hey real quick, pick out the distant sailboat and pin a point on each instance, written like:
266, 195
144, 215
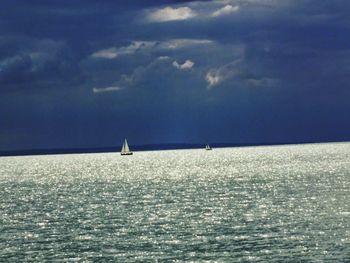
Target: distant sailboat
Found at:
207, 147
125, 148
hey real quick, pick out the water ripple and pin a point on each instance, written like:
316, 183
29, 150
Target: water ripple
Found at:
254, 204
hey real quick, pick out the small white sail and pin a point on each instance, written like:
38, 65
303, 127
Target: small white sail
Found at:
125, 148
207, 147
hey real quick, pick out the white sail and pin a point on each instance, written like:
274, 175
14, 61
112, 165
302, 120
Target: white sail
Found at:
126, 146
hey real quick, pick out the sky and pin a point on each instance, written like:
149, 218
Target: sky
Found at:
87, 73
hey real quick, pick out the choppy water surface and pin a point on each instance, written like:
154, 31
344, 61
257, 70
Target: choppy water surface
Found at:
281, 203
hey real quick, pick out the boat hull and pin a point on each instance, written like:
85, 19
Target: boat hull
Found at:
128, 153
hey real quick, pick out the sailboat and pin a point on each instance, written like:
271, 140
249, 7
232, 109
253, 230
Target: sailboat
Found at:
207, 147
125, 148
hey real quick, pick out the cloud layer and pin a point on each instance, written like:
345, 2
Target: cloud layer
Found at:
171, 14
113, 52
188, 64
226, 10
106, 89
255, 69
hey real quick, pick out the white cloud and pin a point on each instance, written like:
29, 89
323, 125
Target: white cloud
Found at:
205, 10
171, 14
226, 10
135, 46
213, 78
237, 72
184, 42
188, 64
107, 89
106, 53
163, 57
216, 76
111, 53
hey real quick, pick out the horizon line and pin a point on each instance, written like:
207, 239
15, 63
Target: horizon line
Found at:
147, 147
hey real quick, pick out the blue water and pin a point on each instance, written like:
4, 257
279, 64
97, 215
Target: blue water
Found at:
253, 204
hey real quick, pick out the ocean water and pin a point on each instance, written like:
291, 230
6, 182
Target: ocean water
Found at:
252, 204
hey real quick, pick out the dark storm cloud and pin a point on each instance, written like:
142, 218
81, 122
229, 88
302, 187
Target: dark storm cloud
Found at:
39, 64
260, 69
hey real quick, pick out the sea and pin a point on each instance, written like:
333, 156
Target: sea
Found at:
286, 203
